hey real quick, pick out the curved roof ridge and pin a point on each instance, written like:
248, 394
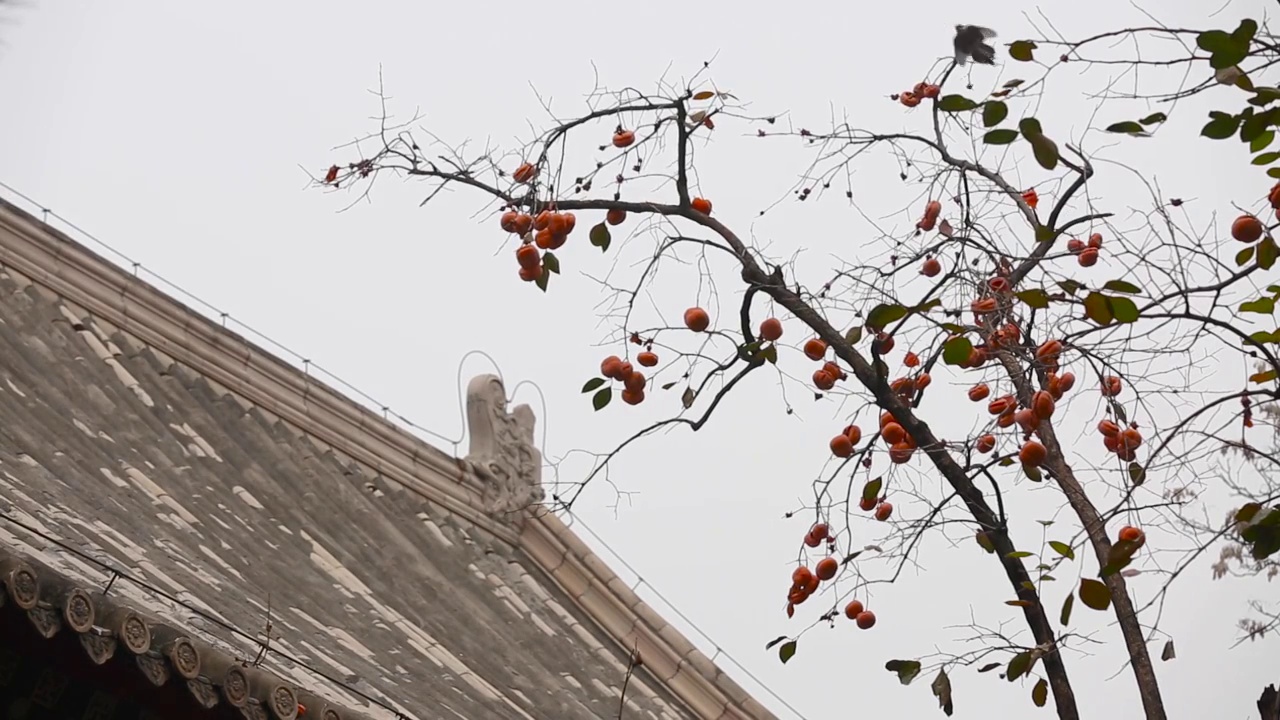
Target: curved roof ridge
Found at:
497, 487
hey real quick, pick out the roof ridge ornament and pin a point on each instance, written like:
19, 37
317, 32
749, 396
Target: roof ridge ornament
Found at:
502, 450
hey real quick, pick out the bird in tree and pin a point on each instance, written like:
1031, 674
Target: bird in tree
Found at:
970, 42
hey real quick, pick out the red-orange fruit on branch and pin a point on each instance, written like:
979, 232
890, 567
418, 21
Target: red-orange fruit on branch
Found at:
815, 349
647, 359
854, 433
841, 446
823, 380
525, 173
853, 609
702, 205
986, 444
1111, 386
826, 568
623, 138
1033, 453
1246, 229
697, 319
528, 257
771, 329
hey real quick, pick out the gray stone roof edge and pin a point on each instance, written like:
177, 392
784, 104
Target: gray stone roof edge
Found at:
497, 486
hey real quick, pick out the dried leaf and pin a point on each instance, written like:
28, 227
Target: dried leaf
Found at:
1040, 693
907, 670
941, 687
1094, 594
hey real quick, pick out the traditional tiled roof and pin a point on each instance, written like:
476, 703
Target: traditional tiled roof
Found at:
167, 488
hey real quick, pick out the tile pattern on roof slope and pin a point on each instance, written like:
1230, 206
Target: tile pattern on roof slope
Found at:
136, 460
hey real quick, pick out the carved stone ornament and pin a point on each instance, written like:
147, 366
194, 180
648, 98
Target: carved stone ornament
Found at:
502, 449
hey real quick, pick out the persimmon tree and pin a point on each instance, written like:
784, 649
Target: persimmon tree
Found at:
1010, 302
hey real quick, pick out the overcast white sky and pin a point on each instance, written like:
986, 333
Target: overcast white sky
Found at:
179, 133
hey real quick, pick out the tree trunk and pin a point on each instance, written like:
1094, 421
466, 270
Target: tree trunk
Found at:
1041, 629
1269, 704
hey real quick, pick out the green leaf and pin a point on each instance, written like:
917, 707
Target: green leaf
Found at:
543, 279
1033, 473
1266, 158
951, 327
1040, 693
1030, 126
1262, 306
1263, 377
907, 670
1071, 287
1063, 549
1001, 136
1262, 140
551, 262
1213, 40
770, 354
1123, 309
994, 112
1122, 286
1045, 151
1137, 474
1045, 234
1097, 309
881, 315
1254, 124
853, 335
1248, 512
1267, 253
1020, 603
1021, 50
1265, 336
871, 491
984, 541
955, 103
1035, 298
1020, 665
988, 667
956, 350
1245, 31
941, 687
1094, 594
1244, 256
593, 384
1229, 57
787, 651
602, 398
1128, 126
1154, 118
1019, 554
1273, 173
1065, 616
770, 645
1221, 128
600, 237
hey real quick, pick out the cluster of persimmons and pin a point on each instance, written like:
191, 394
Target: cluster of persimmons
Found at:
805, 582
